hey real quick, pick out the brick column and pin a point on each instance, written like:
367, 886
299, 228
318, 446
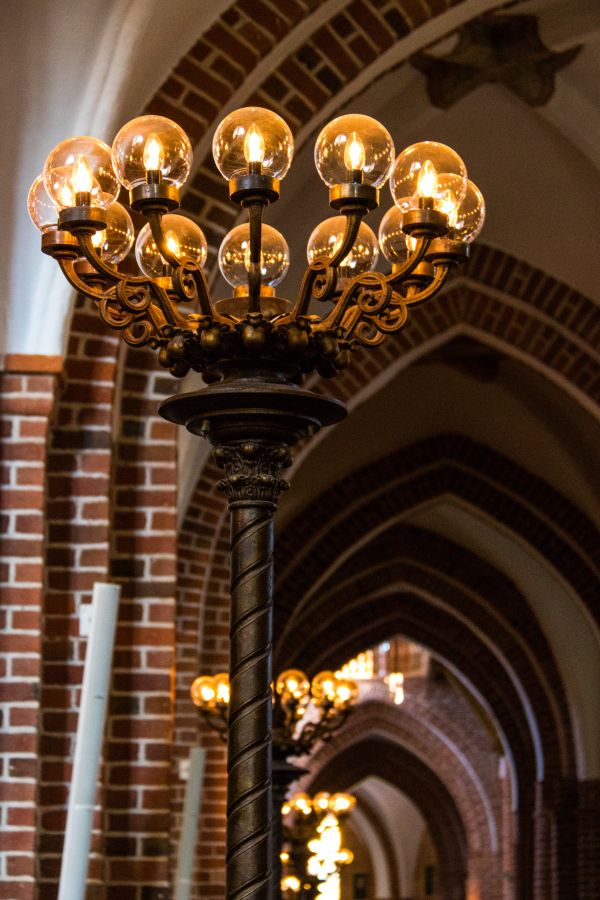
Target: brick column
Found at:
27, 391
137, 818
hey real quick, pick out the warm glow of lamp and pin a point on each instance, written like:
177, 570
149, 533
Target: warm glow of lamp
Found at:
254, 145
82, 179
173, 243
154, 154
354, 153
98, 238
427, 180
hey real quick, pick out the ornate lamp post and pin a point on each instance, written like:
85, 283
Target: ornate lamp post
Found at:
255, 347
304, 712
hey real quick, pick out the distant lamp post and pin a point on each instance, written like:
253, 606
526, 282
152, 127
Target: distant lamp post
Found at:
304, 713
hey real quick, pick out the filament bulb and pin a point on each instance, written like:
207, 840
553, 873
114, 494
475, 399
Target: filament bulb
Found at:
172, 242
254, 145
154, 154
98, 238
354, 153
428, 180
448, 205
82, 179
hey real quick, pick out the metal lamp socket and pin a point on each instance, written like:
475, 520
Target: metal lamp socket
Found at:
424, 223
444, 251
82, 218
147, 198
354, 197
251, 188
60, 244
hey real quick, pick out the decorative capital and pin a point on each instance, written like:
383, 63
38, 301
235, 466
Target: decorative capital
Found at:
252, 470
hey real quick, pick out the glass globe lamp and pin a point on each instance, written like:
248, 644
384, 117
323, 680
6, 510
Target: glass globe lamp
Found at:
184, 239
467, 220
203, 691
253, 140
395, 245
151, 148
323, 686
234, 257
326, 239
115, 241
293, 685
354, 148
42, 211
222, 690
79, 171
429, 175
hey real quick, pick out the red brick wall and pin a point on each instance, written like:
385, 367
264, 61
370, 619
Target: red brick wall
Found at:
27, 390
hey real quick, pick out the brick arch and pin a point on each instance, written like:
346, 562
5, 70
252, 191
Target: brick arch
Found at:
446, 464
381, 831
394, 763
456, 600
439, 726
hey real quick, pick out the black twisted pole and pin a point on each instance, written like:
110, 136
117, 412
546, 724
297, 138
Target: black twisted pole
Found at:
253, 484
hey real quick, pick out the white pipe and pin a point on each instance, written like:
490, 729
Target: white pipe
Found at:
189, 826
88, 743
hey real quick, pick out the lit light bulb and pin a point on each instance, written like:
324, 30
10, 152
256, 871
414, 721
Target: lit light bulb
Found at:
66, 196
203, 691
172, 243
426, 171
184, 239
254, 145
354, 143
427, 180
354, 153
154, 154
98, 238
151, 144
82, 179
253, 136
222, 689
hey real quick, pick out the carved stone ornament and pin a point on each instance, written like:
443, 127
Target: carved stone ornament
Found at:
252, 470
494, 49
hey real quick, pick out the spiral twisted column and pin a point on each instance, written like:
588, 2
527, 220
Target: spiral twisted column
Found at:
252, 417
253, 485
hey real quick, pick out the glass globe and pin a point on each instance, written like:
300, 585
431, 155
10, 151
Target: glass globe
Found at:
395, 245
323, 686
151, 144
253, 135
81, 165
116, 240
467, 221
184, 238
203, 691
234, 256
327, 238
351, 144
42, 211
293, 684
428, 171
